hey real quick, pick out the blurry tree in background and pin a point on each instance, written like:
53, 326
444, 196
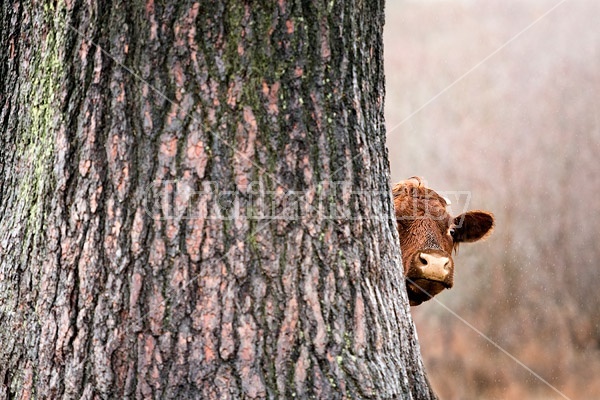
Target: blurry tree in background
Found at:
521, 130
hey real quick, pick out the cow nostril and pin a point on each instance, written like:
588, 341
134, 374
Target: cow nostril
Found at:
422, 259
447, 265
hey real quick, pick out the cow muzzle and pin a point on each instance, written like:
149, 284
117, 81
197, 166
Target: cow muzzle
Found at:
430, 272
433, 266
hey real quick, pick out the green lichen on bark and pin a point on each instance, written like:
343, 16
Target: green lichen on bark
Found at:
34, 70
35, 144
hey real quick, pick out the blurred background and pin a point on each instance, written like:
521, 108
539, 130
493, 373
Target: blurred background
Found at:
502, 98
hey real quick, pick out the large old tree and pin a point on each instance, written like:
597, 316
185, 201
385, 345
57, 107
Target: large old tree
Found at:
194, 203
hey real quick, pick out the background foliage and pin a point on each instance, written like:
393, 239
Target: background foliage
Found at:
517, 123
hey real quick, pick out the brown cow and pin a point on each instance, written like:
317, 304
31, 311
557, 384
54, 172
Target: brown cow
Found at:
428, 234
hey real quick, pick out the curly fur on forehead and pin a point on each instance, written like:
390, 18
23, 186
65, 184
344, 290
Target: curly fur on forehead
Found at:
413, 199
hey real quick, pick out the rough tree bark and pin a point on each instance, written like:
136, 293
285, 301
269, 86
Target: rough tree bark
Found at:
144, 149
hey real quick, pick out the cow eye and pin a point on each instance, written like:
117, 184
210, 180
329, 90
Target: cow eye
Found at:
451, 232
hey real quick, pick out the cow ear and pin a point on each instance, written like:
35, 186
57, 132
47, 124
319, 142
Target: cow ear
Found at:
472, 226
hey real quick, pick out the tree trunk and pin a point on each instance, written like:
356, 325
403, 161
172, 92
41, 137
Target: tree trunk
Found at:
195, 203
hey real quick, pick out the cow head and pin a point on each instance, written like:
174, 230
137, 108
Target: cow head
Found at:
428, 234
